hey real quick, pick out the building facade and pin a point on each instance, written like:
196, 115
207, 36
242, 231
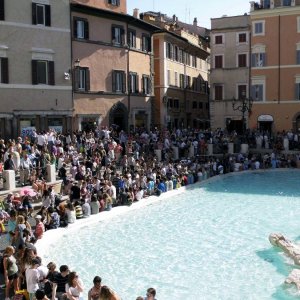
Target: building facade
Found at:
230, 71
112, 64
181, 67
275, 65
35, 63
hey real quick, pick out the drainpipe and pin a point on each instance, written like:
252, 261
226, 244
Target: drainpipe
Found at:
279, 61
127, 78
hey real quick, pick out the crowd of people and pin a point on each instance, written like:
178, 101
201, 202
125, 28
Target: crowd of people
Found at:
99, 170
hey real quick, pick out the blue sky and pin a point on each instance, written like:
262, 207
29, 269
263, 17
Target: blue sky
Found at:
186, 10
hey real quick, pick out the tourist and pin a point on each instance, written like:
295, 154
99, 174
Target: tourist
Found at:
10, 270
39, 227
18, 238
94, 292
32, 278
108, 294
70, 211
59, 283
151, 293
48, 282
74, 287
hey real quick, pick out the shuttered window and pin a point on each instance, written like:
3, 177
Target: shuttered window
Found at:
4, 70
82, 79
2, 13
117, 35
114, 2
133, 83
80, 28
43, 72
258, 59
119, 81
41, 14
218, 61
297, 91
146, 85
218, 92
146, 43
298, 57
242, 60
257, 92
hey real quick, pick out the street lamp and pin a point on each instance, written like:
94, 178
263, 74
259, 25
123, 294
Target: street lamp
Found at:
243, 105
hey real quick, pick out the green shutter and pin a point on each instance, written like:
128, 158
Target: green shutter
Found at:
4, 70
34, 72
86, 30
51, 73
34, 18
2, 14
48, 15
87, 79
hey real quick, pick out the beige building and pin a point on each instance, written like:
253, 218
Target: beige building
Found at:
275, 65
112, 66
181, 67
35, 81
230, 71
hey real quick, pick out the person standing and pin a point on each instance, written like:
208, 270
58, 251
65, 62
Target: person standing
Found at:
59, 283
74, 287
32, 278
10, 270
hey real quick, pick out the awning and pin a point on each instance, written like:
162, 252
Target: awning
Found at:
265, 118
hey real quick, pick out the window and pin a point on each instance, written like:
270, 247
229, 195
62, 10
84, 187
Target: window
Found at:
114, 2
257, 92
81, 29
117, 35
2, 14
133, 83
218, 39
119, 81
297, 91
242, 91
188, 82
131, 38
258, 59
3, 70
194, 61
169, 50
286, 3
259, 28
82, 79
298, 57
146, 85
218, 61
41, 14
187, 58
43, 72
218, 92
176, 78
146, 43
176, 103
180, 55
194, 105
176, 54
168, 77
182, 81
242, 60
298, 24
242, 38
200, 105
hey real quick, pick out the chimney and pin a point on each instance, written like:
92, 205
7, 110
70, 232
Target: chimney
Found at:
195, 23
136, 13
174, 18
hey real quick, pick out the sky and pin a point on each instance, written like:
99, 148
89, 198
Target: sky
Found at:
187, 10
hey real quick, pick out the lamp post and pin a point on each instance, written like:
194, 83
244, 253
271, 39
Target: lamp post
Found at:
243, 105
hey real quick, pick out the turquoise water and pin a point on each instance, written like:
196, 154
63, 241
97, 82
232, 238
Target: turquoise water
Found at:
209, 242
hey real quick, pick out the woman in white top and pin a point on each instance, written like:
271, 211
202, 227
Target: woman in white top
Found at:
74, 287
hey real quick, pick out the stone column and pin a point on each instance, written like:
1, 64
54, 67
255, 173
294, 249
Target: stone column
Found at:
230, 148
51, 175
158, 154
244, 148
210, 149
9, 180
